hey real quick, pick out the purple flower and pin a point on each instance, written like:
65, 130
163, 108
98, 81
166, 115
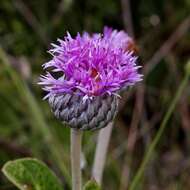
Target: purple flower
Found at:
118, 39
91, 65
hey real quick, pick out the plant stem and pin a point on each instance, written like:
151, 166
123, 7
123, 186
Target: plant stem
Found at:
101, 151
152, 146
76, 137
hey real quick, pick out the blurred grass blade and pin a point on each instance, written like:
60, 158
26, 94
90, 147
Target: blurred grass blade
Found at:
37, 118
135, 182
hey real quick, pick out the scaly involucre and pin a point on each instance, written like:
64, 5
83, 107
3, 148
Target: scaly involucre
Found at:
91, 65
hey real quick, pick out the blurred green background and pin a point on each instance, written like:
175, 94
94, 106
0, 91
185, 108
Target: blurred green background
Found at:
27, 127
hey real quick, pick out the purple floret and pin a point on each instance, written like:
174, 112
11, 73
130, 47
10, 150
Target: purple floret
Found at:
91, 65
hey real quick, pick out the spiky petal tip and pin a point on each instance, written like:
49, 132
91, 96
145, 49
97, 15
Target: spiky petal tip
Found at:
91, 66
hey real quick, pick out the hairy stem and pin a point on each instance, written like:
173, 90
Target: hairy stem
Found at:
76, 137
155, 141
101, 151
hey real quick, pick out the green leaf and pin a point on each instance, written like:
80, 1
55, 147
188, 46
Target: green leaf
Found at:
36, 117
31, 174
92, 185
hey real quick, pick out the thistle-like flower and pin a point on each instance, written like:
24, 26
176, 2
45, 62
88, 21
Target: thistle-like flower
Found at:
92, 71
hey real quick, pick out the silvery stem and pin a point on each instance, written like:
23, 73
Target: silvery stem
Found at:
76, 137
101, 151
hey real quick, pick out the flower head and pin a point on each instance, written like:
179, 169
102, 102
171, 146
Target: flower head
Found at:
91, 66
